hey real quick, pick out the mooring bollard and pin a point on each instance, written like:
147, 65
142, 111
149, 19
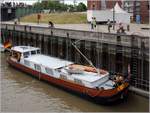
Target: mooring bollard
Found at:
25, 28
30, 28
67, 34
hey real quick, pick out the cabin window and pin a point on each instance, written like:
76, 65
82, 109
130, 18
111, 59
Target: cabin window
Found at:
37, 67
63, 77
49, 71
26, 54
77, 81
16, 55
27, 63
33, 52
38, 51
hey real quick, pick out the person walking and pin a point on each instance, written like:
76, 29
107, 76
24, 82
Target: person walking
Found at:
51, 25
109, 25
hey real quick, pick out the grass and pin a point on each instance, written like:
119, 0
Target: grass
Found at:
58, 18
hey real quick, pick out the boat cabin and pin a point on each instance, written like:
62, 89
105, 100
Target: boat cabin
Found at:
20, 52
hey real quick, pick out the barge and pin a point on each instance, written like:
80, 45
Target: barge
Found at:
87, 81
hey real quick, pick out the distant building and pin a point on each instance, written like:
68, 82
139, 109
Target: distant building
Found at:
103, 10
138, 7
102, 4
8, 13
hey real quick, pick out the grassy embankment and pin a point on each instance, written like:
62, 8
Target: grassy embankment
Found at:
57, 18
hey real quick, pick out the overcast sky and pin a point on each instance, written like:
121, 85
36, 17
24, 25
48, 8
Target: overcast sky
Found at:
33, 1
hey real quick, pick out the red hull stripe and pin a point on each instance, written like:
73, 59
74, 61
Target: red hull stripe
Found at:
67, 84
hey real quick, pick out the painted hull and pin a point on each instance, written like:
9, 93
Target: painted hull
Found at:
96, 95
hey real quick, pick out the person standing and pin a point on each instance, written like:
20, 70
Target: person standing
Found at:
121, 28
18, 20
15, 21
109, 25
38, 18
94, 22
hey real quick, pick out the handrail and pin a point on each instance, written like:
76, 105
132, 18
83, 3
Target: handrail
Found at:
46, 27
140, 79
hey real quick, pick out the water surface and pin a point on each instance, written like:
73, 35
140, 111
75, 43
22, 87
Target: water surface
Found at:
22, 93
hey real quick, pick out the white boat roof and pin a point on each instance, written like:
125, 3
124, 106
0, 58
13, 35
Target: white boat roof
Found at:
23, 49
48, 61
87, 76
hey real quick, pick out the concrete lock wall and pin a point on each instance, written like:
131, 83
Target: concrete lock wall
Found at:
107, 51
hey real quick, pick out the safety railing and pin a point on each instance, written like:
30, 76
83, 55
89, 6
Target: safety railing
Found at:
140, 83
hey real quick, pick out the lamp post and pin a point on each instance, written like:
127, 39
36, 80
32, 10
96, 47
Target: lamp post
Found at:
113, 15
127, 7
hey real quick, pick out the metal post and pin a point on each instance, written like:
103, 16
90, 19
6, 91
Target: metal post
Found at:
114, 16
67, 52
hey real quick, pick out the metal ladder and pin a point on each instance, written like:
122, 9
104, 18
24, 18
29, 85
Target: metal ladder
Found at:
134, 63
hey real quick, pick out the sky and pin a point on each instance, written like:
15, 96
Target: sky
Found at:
78, 1
33, 1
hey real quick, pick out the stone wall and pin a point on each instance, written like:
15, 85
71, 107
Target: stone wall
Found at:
113, 52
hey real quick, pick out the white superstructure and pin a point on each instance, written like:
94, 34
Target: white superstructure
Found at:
58, 68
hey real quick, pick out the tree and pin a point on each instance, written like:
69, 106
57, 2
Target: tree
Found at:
37, 5
70, 8
51, 5
56, 5
81, 7
64, 7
